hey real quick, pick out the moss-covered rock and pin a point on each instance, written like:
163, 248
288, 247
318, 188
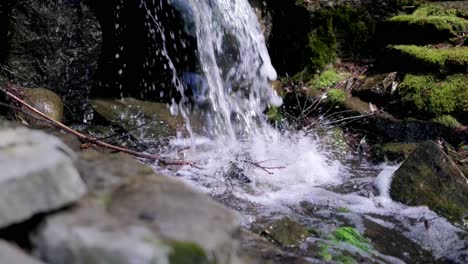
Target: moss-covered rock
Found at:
336, 96
447, 120
429, 177
454, 8
393, 151
187, 253
424, 26
325, 79
413, 58
433, 96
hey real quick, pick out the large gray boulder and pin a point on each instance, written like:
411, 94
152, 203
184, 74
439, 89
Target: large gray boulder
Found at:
55, 44
12, 255
90, 235
37, 175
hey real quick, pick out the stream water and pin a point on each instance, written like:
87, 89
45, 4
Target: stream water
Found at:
267, 173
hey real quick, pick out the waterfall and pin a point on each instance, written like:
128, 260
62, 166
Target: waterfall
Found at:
235, 62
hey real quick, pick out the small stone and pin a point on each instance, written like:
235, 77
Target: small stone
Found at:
47, 102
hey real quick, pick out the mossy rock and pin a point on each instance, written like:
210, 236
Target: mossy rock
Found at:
342, 31
336, 96
423, 27
453, 8
433, 96
325, 79
393, 151
187, 253
447, 120
429, 177
413, 58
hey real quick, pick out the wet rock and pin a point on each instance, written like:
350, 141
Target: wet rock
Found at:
377, 89
286, 232
10, 254
413, 130
55, 44
393, 151
37, 175
152, 120
429, 177
127, 196
179, 213
46, 101
89, 235
256, 249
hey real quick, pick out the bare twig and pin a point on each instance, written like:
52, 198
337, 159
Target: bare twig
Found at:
264, 168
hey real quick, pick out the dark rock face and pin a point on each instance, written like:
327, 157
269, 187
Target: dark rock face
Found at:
429, 177
55, 44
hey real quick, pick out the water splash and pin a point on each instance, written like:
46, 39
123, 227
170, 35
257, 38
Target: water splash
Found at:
241, 155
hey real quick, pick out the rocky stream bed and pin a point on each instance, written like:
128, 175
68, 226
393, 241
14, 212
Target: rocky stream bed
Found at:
368, 162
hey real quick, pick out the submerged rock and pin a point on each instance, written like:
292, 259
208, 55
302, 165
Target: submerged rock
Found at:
9, 255
429, 177
152, 120
55, 44
286, 232
37, 175
46, 101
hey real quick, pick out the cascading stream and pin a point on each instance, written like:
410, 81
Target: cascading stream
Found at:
232, 88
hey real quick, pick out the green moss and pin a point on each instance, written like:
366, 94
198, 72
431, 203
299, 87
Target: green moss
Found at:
342, 210
451, 24
351, 236
336, 96
345, 27
432, 96
187, 253
346, 260
326, 79
450, 59
447, 120
440, 10
324, 253
322, 45
274, 114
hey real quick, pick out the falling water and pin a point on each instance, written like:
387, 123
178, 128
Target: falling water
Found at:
232, 89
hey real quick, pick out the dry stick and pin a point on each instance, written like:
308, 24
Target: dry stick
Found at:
95, 141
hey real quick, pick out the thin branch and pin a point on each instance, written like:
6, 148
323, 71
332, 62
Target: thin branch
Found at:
95, 141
